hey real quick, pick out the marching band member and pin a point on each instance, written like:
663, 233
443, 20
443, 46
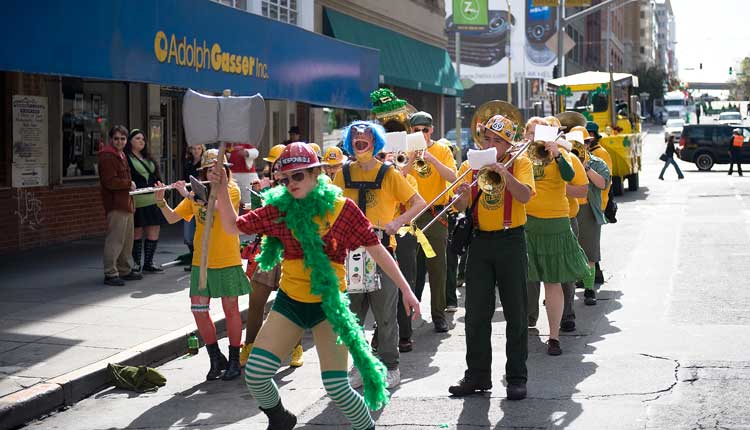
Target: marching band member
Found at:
334, 160
309, 228
378, 188
593, 130
591, 216
496, 258
554, 253
226, 279
440, 169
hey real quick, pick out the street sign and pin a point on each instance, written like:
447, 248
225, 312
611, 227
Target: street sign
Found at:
470, 15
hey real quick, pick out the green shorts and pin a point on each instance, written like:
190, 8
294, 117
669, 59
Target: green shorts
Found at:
305, 315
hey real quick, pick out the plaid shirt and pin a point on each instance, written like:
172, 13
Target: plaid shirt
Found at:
349, 231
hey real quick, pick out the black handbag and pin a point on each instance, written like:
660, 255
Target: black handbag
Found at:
461, 235
610, 211
663, 157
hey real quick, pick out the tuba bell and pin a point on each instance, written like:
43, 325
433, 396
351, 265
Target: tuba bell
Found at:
487, 111
570, 119
580, 151
538, 153
490, 182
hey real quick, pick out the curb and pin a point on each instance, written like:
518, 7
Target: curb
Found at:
19, 408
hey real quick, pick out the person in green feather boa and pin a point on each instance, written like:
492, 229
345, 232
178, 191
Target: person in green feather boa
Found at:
309, 228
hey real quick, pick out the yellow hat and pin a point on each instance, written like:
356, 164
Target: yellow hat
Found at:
315, 148
333, 156
586, 135
553, 121
501, 126
209, 159
274, 153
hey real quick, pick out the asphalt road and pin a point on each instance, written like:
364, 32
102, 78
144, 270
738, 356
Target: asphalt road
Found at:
666, 347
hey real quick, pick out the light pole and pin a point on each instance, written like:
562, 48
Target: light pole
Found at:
458, 97
510, 87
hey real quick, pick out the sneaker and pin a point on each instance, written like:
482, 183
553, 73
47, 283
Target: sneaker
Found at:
393, 378
132, 276
589, 297
441, 326
568, 326
532, 322
355, 379
405, 345
247, 348
516, 391
451, 309
114, 281
466, 386
152, 269
374, 342
553, 347
296, 360
188, 268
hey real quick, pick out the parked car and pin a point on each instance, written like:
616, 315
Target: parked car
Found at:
673, 128
466, 141
730, 118
706, 145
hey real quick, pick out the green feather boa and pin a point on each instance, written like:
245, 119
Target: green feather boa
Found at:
297, 215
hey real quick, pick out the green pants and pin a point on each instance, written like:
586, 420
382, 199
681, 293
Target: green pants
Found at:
497, 260
437, 235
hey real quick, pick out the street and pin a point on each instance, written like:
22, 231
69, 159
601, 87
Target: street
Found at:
665, 347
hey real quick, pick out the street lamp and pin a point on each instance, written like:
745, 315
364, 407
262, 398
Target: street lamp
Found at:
507, 49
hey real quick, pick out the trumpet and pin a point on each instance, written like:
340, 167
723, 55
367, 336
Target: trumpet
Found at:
401, 159
420, 165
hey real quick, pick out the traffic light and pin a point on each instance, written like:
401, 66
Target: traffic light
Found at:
730, 70
555, 72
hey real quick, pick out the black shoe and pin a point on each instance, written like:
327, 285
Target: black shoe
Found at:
114, 281
532, 322
279, 418
598, 275
374, 341
568, 326
589, 297
579, 284
218, 362
405, 345
516, 391
466, 386
152, 269
233, 367
553, 347
188, 269
133, 276
441, 326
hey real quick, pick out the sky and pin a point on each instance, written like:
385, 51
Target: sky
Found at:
713, 32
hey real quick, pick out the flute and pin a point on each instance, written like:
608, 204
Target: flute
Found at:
166, 187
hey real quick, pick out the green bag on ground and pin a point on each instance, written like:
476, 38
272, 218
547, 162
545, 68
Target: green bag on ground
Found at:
136, 378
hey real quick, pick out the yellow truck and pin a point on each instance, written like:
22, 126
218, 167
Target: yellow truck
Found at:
609, 100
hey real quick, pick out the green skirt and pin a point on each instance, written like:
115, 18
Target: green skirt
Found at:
225, 282
554, 253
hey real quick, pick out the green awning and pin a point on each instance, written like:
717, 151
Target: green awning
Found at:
404, 62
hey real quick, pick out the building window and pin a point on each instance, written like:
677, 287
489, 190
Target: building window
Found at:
280, 10
237, 4
90, 108
643, 50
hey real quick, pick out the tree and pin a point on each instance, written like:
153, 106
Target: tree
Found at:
740, 86
651, 80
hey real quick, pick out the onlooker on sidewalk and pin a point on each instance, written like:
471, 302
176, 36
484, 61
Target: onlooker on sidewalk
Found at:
114, 175
192, 163
148, 219
735, 151
669, 154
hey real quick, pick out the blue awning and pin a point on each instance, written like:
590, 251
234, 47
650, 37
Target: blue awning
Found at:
404, 62
185, 43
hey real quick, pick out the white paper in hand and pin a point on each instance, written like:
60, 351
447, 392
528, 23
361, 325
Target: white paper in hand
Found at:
395, 141
480, 158
415, 141
574, 136
545, 133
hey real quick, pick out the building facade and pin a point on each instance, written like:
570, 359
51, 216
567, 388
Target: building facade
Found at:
666, 38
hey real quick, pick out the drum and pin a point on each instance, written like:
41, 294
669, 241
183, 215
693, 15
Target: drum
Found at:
361, 272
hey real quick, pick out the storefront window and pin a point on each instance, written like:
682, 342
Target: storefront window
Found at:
90, 108
335, 121
280, 10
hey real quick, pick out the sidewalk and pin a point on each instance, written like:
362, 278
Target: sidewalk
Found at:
60, 325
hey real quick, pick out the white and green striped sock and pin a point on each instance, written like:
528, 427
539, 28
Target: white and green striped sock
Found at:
351, 404
259, 371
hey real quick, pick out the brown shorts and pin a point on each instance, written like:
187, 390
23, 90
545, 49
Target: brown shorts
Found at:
269, 279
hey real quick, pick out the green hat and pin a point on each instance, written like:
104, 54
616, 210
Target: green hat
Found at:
420, 118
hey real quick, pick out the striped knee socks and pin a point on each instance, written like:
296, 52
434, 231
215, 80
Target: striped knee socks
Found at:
349, 401
259, 371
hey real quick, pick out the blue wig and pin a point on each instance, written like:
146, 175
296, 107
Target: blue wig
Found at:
378, 133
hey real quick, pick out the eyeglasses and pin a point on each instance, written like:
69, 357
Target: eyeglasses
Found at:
294, 177
423, 130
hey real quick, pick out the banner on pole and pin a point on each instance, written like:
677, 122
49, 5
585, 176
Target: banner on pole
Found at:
470, 15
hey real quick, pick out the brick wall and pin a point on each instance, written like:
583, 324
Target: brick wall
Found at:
38, 216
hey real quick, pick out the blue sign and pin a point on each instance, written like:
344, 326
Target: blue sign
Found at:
195, 44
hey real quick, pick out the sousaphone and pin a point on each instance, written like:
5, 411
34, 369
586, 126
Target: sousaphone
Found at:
487, 111
570, 119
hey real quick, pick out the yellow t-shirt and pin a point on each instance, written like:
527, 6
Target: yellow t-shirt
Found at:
223, 248
604, 155
295, 278
580, 178
413, 184
431, 183
550, 200
394, 189
490, 209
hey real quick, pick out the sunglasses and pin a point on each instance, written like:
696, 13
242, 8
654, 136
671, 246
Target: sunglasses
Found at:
423, 130
294, 177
